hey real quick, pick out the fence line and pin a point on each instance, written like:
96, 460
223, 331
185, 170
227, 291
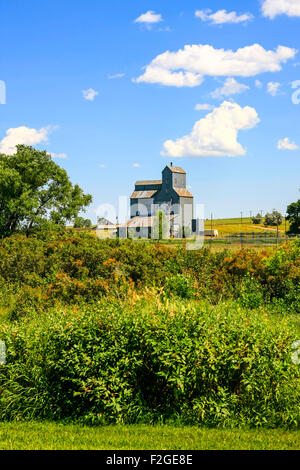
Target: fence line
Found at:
252, 239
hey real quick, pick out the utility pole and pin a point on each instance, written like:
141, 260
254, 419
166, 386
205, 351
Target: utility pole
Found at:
211, 227
242, 218
262, 214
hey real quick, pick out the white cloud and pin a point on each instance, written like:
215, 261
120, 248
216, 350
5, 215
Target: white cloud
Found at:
230, 87
23, 136
136, 165
117, 75
222, 16
188, 66
258, 84
101, 165
89, 94
272, 8
273, 88
286, 144
216, 134
58, 155
149, 18
203, 107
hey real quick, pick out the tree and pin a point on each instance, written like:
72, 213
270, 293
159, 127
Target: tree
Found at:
80, 222
36, 193
293, 217
274, 219
257, 219
160, 226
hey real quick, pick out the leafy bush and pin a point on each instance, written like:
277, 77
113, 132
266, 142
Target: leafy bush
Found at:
251, 293
257, 219
180, 285
72, 267
149, 362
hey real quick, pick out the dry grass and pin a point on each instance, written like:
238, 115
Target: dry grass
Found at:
230, 226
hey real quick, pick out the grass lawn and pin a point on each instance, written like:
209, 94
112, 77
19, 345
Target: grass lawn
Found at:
52, 436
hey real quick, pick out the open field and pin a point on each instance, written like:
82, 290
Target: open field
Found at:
234, 225
226, 226
233, 235
52, 436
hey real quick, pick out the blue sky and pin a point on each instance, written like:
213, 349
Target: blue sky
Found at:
54, 50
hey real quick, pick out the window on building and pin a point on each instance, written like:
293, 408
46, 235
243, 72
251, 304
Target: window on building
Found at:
137, 213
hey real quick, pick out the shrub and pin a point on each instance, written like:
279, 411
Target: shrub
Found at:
149, 362
180, 285
257, 219
72, 267
251, 294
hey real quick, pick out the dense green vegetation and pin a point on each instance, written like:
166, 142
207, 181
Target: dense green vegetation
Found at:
40, 271
53, 436
80, 222
150, 362
113, 331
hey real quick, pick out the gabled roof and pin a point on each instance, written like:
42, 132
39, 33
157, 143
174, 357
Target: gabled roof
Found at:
183, 192
176, 169
103, 221
143, 194
141, 222
148, 182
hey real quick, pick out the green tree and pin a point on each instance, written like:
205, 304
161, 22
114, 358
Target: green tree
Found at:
293, 217
80, 222
257, 219
274, 219
160, 226
36, 193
